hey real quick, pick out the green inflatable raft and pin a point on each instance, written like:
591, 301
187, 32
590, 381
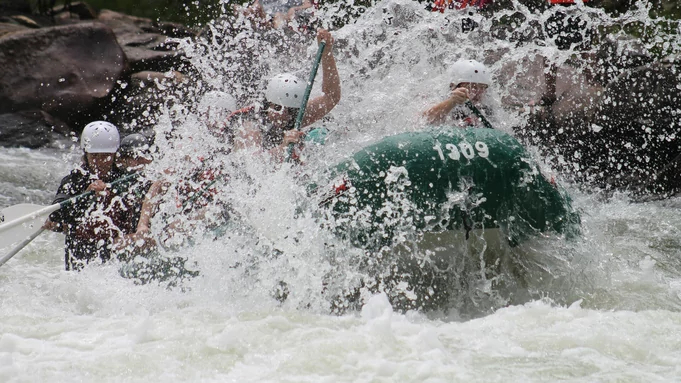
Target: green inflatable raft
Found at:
443, 179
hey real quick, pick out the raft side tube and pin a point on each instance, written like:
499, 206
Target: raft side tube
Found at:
444, 179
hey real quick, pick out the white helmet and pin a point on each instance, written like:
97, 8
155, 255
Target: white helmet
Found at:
285, 90
100, 137
216, 104
470, 71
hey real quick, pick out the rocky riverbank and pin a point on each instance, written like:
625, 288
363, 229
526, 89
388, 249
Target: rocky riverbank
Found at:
78, 65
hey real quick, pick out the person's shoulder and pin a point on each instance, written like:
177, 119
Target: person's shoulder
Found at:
75, 182
76, 174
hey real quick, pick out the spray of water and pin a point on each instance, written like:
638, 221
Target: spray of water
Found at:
276, 248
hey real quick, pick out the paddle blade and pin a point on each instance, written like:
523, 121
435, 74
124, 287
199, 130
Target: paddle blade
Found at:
34, 218
20, 246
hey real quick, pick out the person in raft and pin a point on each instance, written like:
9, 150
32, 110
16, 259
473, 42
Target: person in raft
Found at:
89, 225
469, 83
272, 126
139, 198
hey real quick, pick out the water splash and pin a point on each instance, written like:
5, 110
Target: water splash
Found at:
393, 62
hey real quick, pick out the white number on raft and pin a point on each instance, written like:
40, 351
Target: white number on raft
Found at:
465, 148
438, 148
483, 150
453, 152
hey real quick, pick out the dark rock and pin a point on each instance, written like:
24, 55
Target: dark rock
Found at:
8, 28
575, 93
65, 70
149, 51
31, 128
145, 48
175, 30
613, 56
25, 21
628, 140
80, 71
141, 59
66, 18
121, 23
144, 40
81, 9
149, 77
641, 119
523, 80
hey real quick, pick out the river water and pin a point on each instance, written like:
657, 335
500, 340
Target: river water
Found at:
601, 307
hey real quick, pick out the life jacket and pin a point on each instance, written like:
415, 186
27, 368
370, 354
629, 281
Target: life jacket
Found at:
104, 222
132, 196
470, 121
462, 117
89, 224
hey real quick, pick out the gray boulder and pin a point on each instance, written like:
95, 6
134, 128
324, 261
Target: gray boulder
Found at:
143, 41
66, 71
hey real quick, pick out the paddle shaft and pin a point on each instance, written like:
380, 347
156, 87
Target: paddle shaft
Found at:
201, 192
28, 217
310, 82
20, 246
477, 112
308, 90
44, 211
52, 208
